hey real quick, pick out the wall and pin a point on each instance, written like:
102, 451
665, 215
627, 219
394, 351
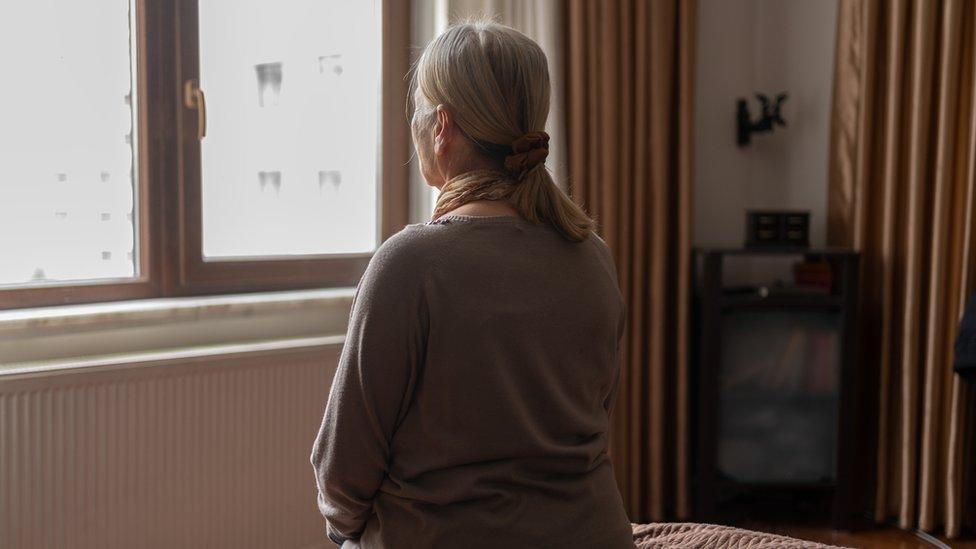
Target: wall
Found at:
745, 46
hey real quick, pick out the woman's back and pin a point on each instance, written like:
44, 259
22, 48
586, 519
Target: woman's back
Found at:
474, 390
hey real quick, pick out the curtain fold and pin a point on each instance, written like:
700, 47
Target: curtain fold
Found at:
901, 190
628, 73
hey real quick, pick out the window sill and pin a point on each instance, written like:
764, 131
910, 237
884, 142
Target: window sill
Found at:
76, 335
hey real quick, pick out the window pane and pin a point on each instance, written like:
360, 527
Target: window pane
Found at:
289, 163
67, 143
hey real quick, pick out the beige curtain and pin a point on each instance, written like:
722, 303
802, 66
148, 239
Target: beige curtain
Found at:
629, 130
902, 178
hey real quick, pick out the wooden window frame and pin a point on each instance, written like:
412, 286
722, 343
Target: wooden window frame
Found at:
168, 188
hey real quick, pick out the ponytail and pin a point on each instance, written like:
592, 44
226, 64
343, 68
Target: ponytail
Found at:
538, 199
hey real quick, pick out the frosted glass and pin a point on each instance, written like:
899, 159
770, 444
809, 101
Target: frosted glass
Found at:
290, 160
67, 142
779, 396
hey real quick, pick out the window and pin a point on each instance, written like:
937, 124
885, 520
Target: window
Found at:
289, 163
68, 145
196, 146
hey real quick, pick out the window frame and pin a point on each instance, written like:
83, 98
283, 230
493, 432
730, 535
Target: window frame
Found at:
170, 258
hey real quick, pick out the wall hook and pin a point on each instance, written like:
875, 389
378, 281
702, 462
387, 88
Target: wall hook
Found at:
769, 117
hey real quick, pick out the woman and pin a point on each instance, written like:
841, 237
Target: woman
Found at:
470, 407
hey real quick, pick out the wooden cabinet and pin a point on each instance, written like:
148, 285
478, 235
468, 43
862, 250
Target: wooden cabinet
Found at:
776, 409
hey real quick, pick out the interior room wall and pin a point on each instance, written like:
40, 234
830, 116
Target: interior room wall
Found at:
768, 46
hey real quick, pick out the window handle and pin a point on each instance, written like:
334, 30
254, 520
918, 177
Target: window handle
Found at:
193, 98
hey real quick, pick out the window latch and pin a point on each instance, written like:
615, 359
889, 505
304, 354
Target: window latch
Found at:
193, 98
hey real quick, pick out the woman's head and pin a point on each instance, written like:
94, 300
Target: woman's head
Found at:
481, 99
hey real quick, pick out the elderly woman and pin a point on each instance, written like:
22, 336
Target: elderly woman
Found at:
470, 408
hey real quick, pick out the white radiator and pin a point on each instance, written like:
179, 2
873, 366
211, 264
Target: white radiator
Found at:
179, 452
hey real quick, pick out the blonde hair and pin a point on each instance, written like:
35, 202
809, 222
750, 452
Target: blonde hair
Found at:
495, 81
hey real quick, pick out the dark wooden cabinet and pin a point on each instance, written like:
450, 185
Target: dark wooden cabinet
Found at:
776, 408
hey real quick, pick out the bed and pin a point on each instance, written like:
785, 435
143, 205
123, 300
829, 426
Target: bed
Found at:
690, 535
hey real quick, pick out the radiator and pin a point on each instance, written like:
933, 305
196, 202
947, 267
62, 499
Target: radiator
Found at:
207, 450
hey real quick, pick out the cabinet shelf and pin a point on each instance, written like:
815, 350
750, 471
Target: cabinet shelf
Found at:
828, 302
796, 398
788, 486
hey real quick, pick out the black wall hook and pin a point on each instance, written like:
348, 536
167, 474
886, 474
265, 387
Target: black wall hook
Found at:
769, 117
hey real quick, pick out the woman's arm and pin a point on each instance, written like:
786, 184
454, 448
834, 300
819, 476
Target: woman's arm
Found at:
383, 350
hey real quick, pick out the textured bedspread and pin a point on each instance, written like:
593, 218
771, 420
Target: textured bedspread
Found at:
690, 535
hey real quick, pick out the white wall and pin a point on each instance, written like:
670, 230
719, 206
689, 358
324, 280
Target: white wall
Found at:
769, 46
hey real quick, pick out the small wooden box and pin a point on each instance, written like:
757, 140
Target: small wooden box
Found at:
790, 229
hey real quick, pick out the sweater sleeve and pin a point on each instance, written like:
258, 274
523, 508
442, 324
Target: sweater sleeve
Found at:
611, 268
384, 347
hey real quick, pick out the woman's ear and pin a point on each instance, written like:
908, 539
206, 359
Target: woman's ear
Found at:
443, 130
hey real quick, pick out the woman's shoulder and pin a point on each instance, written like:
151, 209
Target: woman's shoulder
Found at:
408, 252
604, 253
600, 245
416, 240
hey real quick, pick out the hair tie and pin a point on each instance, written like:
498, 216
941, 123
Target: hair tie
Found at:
528, 152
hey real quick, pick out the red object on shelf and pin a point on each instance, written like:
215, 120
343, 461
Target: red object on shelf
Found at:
816, 274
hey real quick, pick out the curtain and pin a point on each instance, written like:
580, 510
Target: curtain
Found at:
901, 190
629, 68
